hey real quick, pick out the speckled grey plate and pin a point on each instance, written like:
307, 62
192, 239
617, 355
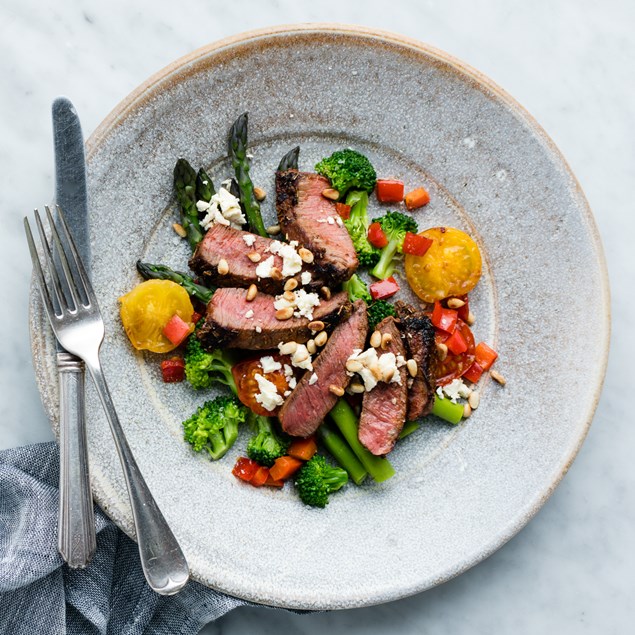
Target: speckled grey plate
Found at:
425, 117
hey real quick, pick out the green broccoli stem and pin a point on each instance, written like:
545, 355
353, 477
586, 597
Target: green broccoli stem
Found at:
345, 419
290, 160
161, 272
240, 163
408, 429
384, 268
446, 410
185, 186
204, 186
342, 453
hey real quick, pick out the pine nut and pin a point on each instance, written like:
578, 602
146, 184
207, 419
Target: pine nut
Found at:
179, 229
276, 274
474, 399
442, 351
284, 314
455, 303
376, 371
301, 356
386, 338
471, 318
467, 410
288, 348
273, 230
320, 338
411, 365
356, 388
353, 366
259, 194
254, 256
389, 375
288, 296
305, 255
223, 267
311, 347
251, 292
316, 325
290, 284
326, 292
375, 339
330, 193
496, 376
336, 390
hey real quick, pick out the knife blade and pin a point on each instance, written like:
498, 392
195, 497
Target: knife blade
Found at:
76, 525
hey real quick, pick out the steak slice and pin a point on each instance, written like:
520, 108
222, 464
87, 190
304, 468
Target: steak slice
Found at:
384, 407
303, 215
308, 404
227, 243
227, 323
418, 333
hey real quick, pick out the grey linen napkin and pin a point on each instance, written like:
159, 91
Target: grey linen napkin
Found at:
40, 594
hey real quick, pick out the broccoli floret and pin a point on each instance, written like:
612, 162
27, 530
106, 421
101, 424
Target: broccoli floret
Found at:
348, 169
317, 479
357, 289
265, 446
357, 226
377, 311
202, 369
214, 426
395, 226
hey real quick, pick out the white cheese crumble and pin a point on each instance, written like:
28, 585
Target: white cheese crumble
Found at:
376, 368
454, 390
292, 382
305, 278
291, 261
258, 329
249, 239
313, 379
303, 303
267, 396
301, 358
263, 270
388, 367
269, 364
288, 371
249, 314
224, 209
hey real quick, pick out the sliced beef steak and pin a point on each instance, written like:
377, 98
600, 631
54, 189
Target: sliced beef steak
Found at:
310, 402
232, 322
418, 333
303, 214
228, 244
384, 407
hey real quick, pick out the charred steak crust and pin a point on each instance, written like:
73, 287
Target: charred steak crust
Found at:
384, 407
302, 213
227, 325
308, 404
418, 333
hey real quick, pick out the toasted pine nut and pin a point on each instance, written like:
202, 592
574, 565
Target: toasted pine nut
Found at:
259, 194
179, 229
471, 318
288, 296
316, 325
305, 255
251, 292
442, 351
276, 274
411, 365
389, 375
311, 347
288, 348
496, 376
336, 390
386, 338
284, 314
353, 366
330, 193
223, 267
375, 339
254, 256
376, 371
301, 356
455, 303
356, 388
290, 284
326, 292
273, 230
320, 338
474, 399
467, 410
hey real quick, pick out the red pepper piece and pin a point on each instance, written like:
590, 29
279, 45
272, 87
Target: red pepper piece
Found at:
444, 319
417, 198
473, 373
389, 190
456, 343
384, 288
173, 370
260, 477
343, 210
177, 329
416, 244
376, 236
485, 356
245, 469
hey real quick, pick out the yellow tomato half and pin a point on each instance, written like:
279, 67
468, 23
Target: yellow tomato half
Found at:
451, 266
147, 309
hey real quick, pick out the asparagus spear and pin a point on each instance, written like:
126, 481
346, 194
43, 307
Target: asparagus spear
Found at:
161, 272
290, 160
204, 186
240, 163
185, 186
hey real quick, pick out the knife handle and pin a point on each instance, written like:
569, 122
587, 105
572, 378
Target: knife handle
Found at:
76, 540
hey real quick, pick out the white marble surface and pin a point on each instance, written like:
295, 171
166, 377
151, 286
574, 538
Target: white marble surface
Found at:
572, 570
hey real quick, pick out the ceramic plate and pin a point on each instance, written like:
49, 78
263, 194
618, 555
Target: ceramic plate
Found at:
420, 115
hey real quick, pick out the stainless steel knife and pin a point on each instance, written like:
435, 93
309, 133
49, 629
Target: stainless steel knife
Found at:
76, 526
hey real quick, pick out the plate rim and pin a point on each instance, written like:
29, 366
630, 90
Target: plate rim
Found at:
139, 96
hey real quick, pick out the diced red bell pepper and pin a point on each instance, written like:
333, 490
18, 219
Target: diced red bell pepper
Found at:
343, 210
245, 469
417, 198
484, 355
444, 319
196, 316
389, 191
456, 342
260, 477
173, 370
177, 329
383, 289
473, 373
376, 236
416, 244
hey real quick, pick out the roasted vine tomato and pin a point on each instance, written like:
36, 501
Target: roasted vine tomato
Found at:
450, 267
245, 377
453, 366
148, 308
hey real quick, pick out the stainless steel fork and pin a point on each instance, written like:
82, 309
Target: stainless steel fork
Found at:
73, 312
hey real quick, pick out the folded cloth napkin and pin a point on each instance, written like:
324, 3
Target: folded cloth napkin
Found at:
40, 594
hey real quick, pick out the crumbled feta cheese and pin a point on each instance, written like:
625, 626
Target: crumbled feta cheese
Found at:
269, 364
286, 393
258, 329
388, 366
288, 371
456, 389
291, 261
313, 379
267, 396
224, 209
401, 361
249, 314
305, 278
292, 382
263, 270
375, 368
249, 239
301, 358
303, 303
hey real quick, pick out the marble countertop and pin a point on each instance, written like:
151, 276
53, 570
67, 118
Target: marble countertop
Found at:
572, 569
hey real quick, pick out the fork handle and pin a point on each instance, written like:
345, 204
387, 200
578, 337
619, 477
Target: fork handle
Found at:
76, 540
163, 562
